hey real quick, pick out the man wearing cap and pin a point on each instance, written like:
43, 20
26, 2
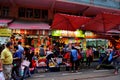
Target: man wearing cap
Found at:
7, 60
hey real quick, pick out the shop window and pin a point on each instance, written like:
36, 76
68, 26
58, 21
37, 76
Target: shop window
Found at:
45, 14
37, 13
29, 13
33, 13
5, 11
21, 12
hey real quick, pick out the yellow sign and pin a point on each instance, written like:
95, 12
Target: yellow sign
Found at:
77, 33
5, 32
89, 34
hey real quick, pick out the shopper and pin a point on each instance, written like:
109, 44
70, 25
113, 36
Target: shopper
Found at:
17, 57
102, 54
7, 60
42, 51
27, 57
82, 55
89, 56
116, 60
49, 56
20, 48
74, 59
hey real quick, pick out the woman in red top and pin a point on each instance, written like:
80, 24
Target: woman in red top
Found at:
89, 56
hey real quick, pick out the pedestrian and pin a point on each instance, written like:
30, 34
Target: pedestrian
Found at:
116, 60
102, 55
17, 58
20, 48
7, 60
27, 57
42, 51
82, 55
49, 56
89, 56
74, 59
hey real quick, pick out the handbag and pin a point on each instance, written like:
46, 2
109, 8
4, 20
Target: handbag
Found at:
25, 63
110, 57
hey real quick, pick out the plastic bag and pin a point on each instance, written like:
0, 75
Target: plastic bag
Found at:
25, 63
2, 76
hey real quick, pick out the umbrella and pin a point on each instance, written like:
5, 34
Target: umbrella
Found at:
68, 22
102, 22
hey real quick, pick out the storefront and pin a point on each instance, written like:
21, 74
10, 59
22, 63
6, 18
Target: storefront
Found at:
95, 41
30, 33
31, 37
86, 39
68, 37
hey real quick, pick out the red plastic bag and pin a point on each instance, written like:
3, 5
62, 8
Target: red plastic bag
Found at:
34, 64
79, 56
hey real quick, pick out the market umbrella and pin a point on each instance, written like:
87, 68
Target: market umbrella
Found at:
102, 23
68, 22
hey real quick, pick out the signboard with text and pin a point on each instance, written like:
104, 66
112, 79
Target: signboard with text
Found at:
63, 33
5, 32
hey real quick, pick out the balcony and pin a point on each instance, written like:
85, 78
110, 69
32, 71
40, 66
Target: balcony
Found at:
106, 3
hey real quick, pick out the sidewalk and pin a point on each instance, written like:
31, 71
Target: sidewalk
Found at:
84, 71
82, 75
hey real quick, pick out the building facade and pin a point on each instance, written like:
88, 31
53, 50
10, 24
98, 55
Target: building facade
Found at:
44, 10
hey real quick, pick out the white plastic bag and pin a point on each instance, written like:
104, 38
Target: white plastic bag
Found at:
2, 76
25, 63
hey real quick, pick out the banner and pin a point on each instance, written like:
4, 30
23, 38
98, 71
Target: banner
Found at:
5, 32
63, 33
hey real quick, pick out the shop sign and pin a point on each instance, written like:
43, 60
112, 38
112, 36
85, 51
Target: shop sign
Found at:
63, 33
89, 34
5, 32
56, 33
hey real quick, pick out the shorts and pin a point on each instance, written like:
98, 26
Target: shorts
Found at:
7, 69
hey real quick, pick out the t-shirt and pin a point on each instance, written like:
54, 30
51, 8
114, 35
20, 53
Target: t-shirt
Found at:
89, 52
67, 55
42, 52
18, 54
74, 54
20, 49
6, 56
49, 55
102, 51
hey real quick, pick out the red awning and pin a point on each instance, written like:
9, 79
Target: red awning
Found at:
5, 22
68, 22
29, 25
103, 22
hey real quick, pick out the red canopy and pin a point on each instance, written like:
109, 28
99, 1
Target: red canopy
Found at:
68, 22
29, 25
103, 22
5, 22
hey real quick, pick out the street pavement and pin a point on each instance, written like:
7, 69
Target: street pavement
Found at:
83, 74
